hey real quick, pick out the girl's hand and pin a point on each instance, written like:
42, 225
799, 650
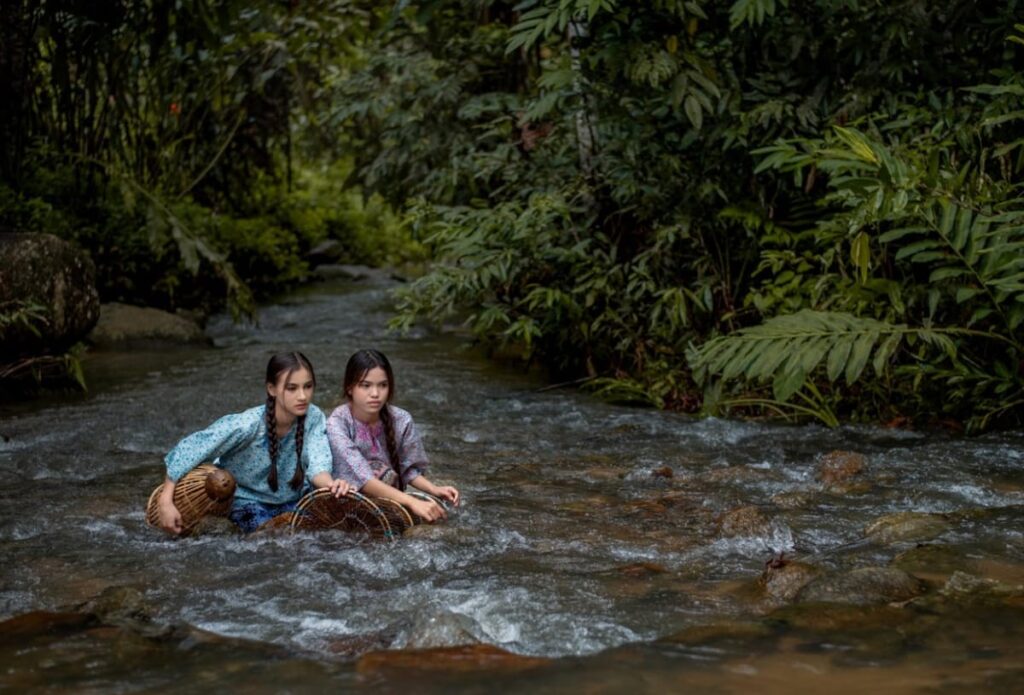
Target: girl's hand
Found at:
339, 488
447, 492
170, 519
429, 511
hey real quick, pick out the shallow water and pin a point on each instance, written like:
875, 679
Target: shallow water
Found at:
590, 535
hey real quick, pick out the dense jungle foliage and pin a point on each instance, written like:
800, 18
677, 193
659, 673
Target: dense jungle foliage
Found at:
181, 144
805, 207
718, 205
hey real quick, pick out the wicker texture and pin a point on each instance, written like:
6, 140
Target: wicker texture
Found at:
320, 510
205, 490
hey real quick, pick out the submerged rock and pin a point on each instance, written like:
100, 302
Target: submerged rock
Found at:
441, 630
744, 521
122, 325
793, 499
782, 584
476, 657
49, 271
863, 586
837, 617
925, 560
839, 468
906, 526
719, 632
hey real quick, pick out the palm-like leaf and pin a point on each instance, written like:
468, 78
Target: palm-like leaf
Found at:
787, 349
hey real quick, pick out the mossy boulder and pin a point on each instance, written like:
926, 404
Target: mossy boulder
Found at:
862, 587
45, 270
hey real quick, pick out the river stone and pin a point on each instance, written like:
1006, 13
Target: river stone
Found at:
793, 499
931, 560
744, 521
838, 467
837, 617
863, 586
906, 526
782, 584
123, 325
44, 269
441, 630
446, 660
327, 251
719, 632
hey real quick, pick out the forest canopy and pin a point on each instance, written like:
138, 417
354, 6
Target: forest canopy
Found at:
808, 207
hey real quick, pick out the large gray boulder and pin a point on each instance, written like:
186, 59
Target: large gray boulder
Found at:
55, 274
126, 326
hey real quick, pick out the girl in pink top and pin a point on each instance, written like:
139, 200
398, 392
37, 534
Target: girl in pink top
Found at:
375, 445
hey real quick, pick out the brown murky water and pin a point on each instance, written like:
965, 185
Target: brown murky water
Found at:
600, 548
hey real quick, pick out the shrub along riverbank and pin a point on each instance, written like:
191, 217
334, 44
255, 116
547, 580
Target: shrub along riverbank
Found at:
807, 208
799, 208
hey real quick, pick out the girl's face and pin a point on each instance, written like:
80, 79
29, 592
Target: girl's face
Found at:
368, 395
294, 393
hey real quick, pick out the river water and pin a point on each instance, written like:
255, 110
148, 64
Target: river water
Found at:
594, 546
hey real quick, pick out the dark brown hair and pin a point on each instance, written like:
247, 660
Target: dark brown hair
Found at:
285, 363
358, 365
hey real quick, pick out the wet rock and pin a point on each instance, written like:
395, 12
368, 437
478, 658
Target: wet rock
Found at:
782, 584
743, 521
836, 617
863, 586
793, 499
327, 251
354, 645
839, 467
49, 271
477, 657
734, 474
906, 526
125, 326
35, 623
719, 632
663, 472
962, 585
441, 630
211, 525
931, 560
332, 271
641, 570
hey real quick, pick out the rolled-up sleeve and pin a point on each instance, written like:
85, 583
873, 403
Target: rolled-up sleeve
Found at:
315, 450
349, 463
220, 438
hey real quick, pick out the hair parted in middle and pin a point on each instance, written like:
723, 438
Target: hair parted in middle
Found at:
358, 365
285, 363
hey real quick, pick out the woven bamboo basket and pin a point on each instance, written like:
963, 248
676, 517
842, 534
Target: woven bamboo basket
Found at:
399, 518
205, 490
320, 509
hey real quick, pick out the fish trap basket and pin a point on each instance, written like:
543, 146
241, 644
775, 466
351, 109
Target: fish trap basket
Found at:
320, 510
204, 491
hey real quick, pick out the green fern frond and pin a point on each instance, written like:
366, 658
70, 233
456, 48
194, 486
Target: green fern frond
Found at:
787, 349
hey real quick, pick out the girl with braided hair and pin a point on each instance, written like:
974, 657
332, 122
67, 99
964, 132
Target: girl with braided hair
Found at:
375, 445
274, 451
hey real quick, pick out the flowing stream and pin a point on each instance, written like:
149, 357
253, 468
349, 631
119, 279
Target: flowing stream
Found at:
597, 545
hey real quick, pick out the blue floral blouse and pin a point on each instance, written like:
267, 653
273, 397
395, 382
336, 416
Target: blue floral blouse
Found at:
361, 451
238, 444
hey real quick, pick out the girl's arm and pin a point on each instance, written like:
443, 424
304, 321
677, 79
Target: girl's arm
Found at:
445, 492
170, 517
317, 452
336, 485
429, 511
222, 436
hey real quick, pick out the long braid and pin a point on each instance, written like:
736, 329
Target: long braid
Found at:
389, 437
272, 441
300, 431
